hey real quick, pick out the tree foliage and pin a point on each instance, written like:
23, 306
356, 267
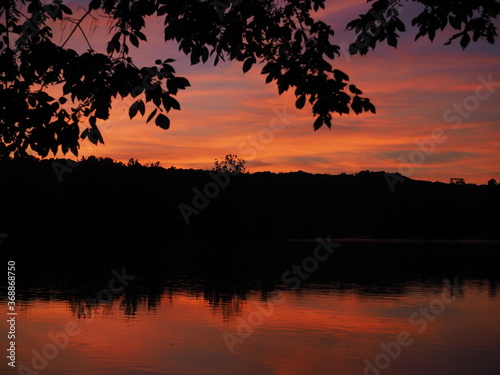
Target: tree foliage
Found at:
230, 164
470, 20
295, 52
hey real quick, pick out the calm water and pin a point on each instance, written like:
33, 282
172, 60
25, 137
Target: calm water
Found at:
427, 326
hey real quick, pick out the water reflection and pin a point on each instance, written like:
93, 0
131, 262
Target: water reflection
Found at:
230, 304
367, 312
316, 330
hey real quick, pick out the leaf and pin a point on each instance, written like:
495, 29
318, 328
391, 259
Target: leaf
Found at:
174, 103
432, 34
351, 25
157, 100
172, 86
167, 70
134, 108
95, 4
42, 96
339, 75
141, 36
420, 33
162, 10
355, 90
204, 54
455, 22
392, 40
321, 106
165, 98
84, 134
329, 51
142, 107
195, 56
136, 91
153, 113
356, 105
353, 49
95, 136
162, 121
248, 64
476, 35
318, 123
65, 9
133, 39
301, 101
182, 82
399, 24
92, 121
464, 42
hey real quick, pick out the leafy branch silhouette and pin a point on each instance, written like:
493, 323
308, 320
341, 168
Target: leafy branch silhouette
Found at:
295, 51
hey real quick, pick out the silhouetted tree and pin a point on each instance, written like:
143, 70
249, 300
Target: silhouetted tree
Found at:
472, 20
230, 164
133, 163
156, 164
492, 182
457, 181
294, 49
143, 203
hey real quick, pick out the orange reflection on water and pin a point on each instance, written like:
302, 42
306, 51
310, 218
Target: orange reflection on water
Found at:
311, 332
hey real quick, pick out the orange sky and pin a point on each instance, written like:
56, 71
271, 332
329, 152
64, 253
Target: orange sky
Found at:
412, 87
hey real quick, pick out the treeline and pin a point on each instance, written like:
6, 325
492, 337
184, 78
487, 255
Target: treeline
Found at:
99, 198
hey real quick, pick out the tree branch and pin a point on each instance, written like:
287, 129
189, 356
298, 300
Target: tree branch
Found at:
85, 36
76, 26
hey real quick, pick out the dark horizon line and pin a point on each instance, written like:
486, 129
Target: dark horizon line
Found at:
157, 164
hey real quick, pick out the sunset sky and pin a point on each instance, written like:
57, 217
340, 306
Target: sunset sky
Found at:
414, 89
